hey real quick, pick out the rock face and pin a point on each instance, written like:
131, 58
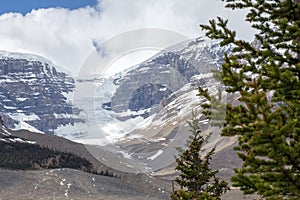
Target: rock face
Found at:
155, 80
148, 95
168, 70
33, 91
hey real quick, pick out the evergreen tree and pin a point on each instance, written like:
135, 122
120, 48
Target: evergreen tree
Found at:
266, 77
197, 180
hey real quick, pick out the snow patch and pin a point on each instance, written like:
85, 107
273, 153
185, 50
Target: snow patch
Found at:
158, 153
23, 117
163, 89
126, 155
62, 182
24, 126
21, 99
5, 131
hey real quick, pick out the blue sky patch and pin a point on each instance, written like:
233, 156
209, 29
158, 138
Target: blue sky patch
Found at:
25, 6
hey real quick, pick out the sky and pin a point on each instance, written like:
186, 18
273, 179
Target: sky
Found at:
67, 31
25, 6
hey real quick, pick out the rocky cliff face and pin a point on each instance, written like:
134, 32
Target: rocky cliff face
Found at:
153, 81
148, 95
34, 92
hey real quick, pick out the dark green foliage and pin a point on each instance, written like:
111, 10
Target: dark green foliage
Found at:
267, 79
214, 109
197, 180
25, 156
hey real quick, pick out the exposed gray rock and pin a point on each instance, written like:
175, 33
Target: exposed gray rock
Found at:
148, 95
169, 69
34, 92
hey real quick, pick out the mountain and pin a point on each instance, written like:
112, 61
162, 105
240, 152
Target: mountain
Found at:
137, 116
128, 125
156, 79
142, 112
34, 93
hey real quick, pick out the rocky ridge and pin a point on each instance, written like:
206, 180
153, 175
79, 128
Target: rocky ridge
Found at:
34, 94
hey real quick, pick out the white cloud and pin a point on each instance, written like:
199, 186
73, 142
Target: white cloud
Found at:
67, 36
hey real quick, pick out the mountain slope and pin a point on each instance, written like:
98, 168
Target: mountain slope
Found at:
16, 152
164, 74
33, 93
143, 111
65, 184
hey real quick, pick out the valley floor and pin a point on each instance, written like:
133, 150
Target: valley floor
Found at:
65, 184
69, 184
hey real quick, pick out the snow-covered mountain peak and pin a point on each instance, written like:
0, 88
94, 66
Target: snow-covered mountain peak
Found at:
32, 58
